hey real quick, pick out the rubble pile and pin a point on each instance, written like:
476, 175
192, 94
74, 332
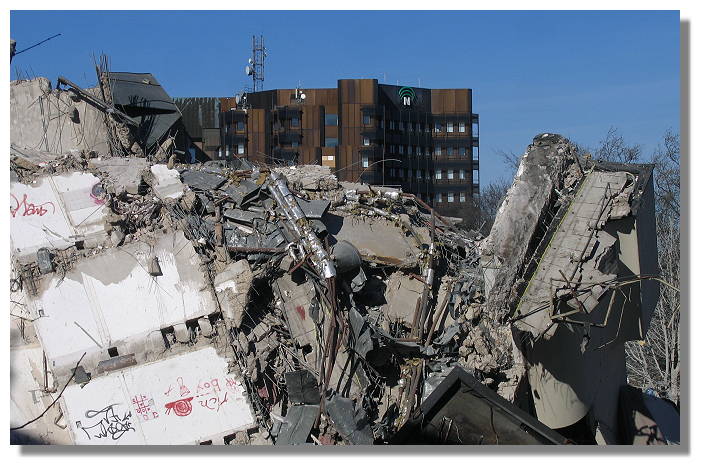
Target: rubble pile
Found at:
338, 307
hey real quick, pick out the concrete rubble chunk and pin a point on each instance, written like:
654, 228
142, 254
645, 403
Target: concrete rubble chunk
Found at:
167, 183
232, 287
124, 174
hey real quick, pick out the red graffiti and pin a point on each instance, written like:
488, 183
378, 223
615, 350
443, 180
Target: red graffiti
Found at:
143, 407
97, 194
232, 384
181, 407
301, 311
30, 208
208, 388
183, 389
211, 402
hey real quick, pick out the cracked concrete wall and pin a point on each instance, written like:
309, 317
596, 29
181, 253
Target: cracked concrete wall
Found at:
49, 120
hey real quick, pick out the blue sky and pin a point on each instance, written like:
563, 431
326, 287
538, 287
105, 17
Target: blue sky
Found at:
574, 73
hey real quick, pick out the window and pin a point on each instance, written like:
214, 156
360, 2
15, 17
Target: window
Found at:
462, 151
227, 128
451, 197
418, 127
419, 176
428, 151
428, 176
331, 142
401, 150
294, 143
391, 125
439, 174
409, 150
401, 126
461, 127
475, 153
392, 172
331, 119
411, 173
241, 149
438, 127
220, 152
418, 151
438, 150
450, 174
295, 122
462, 197
366, 141
365, 161
240, 126
451, 151
439, 197
366, 119
449, 127
475, 129
462, 175
428, 127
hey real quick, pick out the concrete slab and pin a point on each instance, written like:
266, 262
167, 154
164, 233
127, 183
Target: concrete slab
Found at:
56, 212
111, 299
185, 399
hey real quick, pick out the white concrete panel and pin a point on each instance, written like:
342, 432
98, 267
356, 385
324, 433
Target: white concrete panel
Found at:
112, 298
181, 400
55, 212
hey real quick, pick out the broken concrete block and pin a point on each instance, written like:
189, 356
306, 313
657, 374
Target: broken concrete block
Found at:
167, 183
232, 286
205, 325
124, 174
182, 333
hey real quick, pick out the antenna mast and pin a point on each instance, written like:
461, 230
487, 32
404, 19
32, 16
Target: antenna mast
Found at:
255, 69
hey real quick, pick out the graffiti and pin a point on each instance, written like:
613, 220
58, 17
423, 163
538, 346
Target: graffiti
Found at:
25, 208
232, 384
208, 388
181, 407
208, 394
143, 407
110, 424
98, 194
183, 389
212, 402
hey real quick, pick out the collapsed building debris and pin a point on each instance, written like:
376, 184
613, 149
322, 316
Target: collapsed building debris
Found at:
229, 303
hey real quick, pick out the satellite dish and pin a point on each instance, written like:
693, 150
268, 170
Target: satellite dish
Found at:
303, 96
248, 70
237, 99
250, 61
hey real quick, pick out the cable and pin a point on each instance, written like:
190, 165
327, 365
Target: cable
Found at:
55, 400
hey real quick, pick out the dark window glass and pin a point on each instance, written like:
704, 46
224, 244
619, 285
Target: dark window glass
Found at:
295, 122
331, 120
331, 141
240, 125
366, 120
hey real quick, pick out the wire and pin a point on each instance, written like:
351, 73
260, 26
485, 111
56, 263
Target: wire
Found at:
55, 399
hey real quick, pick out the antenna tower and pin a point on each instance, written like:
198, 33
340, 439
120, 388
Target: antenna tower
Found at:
255, 67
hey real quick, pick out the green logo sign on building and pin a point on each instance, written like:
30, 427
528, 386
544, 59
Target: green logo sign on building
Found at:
407, 96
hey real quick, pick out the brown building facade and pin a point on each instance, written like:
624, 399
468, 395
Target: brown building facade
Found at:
425, 141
